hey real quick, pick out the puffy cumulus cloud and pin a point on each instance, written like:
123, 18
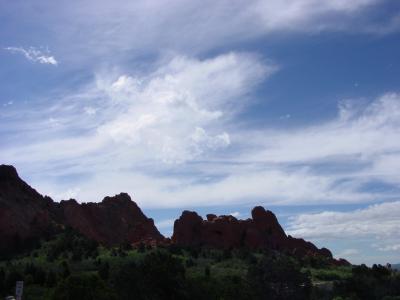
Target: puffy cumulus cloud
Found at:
176, 113
35, 55
379, 221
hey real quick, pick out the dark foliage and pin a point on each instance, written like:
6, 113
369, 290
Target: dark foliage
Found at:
373, 283
72, 243
280, 278
82, 287
158, 276
69, 267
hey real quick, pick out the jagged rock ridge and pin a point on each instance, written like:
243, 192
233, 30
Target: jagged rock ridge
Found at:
113, 221
261, 231
26, 216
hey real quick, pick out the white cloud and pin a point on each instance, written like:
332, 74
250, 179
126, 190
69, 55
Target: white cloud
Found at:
235, 214
365, 133
308, 15
90, 110
380, 221
167, 223
175, 114
8, 103
35, 55
86, 30
374, 231
390, 248
172, 135
349, 252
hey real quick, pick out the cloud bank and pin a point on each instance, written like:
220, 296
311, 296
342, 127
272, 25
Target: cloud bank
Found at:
174, 134
378, 220
378, 226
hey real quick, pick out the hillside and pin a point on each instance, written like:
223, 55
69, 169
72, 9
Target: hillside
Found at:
70, 266
27, 217
111, 250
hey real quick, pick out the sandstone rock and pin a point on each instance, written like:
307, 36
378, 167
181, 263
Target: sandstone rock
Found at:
341, 262
113, 221
26, 216
261, 231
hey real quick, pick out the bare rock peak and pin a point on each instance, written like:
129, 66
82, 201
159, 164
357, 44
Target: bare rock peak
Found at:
8, 172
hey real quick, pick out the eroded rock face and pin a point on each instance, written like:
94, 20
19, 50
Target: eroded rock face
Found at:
261, 231
113, 221
27, 216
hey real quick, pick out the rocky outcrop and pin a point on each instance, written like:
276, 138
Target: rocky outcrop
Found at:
113, 221
26, 216
262, 231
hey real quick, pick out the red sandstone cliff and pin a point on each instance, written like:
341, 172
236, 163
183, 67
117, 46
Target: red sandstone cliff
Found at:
26, 216
261, 231
113, 221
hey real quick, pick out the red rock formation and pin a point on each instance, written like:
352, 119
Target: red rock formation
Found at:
25, 215
262, 231
113, 221
341, 262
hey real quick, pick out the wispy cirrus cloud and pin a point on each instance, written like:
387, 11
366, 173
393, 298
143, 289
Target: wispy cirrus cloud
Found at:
387, 248
358, 132
35, 55
172, 134
376, 226
378, 220
193, 27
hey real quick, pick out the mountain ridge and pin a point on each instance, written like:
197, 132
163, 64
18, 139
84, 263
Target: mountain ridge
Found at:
27, 216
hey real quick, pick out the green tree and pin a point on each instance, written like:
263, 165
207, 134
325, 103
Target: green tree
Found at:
65, 271
104, 270
279, 278
83, 287
159, 276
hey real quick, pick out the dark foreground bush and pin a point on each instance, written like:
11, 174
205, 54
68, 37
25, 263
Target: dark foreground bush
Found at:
83, 287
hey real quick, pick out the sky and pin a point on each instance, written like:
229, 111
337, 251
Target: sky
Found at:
213, 106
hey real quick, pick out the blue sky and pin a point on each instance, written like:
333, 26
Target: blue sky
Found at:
214, 106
